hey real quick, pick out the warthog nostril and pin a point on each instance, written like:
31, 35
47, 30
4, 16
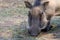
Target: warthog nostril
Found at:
33, 34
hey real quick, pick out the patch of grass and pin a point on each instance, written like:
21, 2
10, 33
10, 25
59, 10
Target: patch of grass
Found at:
20, 32
8, 12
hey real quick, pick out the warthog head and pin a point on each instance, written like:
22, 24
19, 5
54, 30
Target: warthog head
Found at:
36, 18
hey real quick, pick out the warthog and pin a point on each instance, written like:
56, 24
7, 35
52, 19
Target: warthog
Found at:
40, 14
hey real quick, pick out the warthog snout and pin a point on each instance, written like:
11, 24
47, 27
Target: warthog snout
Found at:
34, 24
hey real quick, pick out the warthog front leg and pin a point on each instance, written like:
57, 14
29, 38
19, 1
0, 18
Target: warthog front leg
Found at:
48, 27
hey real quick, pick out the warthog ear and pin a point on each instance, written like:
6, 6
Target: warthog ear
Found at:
45, 4
28, 4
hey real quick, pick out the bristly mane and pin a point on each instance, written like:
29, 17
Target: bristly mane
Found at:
37, 2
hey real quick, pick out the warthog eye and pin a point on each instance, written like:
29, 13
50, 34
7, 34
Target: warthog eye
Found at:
40, 16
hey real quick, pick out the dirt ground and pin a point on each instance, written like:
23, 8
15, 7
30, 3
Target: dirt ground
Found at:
13, 23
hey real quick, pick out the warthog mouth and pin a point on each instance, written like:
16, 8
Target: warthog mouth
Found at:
34, 34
